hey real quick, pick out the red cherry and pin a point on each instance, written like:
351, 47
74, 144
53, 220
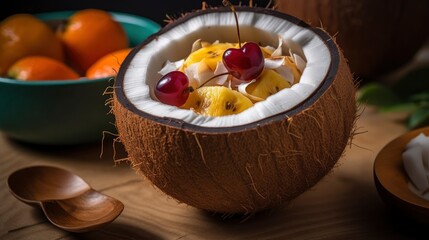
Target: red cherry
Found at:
173, 88
245, 63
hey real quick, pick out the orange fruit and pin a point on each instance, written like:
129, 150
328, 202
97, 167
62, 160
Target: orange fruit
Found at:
38, 68
108, 66
24, 35
90, 34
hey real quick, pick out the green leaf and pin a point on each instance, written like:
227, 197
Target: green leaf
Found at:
422, 98
419, 118
378, 95
413, 82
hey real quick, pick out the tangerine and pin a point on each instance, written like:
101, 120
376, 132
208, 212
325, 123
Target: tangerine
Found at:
108, 66
89, 34
38, 68
24, 35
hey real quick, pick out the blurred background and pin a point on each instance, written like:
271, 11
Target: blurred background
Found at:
385, 41
386, 45
155, 10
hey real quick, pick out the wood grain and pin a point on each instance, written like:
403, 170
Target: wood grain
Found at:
344, 204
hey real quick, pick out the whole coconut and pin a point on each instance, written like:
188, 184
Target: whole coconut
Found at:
377, 36
247, 162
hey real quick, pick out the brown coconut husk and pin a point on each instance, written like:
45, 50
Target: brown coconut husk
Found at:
249, 168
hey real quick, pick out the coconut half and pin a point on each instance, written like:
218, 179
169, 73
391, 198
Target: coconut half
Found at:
248, 162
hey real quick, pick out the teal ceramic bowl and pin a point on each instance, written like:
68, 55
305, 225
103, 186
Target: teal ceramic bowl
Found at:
64, 112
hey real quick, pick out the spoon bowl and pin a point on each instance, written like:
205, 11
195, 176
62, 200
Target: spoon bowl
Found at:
66, 199
391, 179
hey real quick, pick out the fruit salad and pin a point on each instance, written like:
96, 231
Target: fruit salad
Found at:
211, 82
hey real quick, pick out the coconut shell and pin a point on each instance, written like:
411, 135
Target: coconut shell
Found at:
377, 37
248, 168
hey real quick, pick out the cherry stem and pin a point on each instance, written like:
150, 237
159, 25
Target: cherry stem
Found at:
227, 3
215, 76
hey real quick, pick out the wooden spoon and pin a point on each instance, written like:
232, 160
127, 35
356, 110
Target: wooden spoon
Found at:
66, 199
391, 180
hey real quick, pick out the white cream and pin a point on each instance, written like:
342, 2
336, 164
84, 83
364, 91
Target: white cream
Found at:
416, 164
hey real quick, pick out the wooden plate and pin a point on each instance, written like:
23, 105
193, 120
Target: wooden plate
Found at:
391, 180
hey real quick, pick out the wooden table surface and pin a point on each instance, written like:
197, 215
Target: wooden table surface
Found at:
343, 205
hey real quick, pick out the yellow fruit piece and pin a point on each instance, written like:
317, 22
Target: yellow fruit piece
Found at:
266, 52
210, 54
269, 83
217, 101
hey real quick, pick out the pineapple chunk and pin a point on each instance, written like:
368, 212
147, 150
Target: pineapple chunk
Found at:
217, 101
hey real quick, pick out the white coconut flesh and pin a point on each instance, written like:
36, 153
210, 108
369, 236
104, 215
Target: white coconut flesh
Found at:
142, 72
